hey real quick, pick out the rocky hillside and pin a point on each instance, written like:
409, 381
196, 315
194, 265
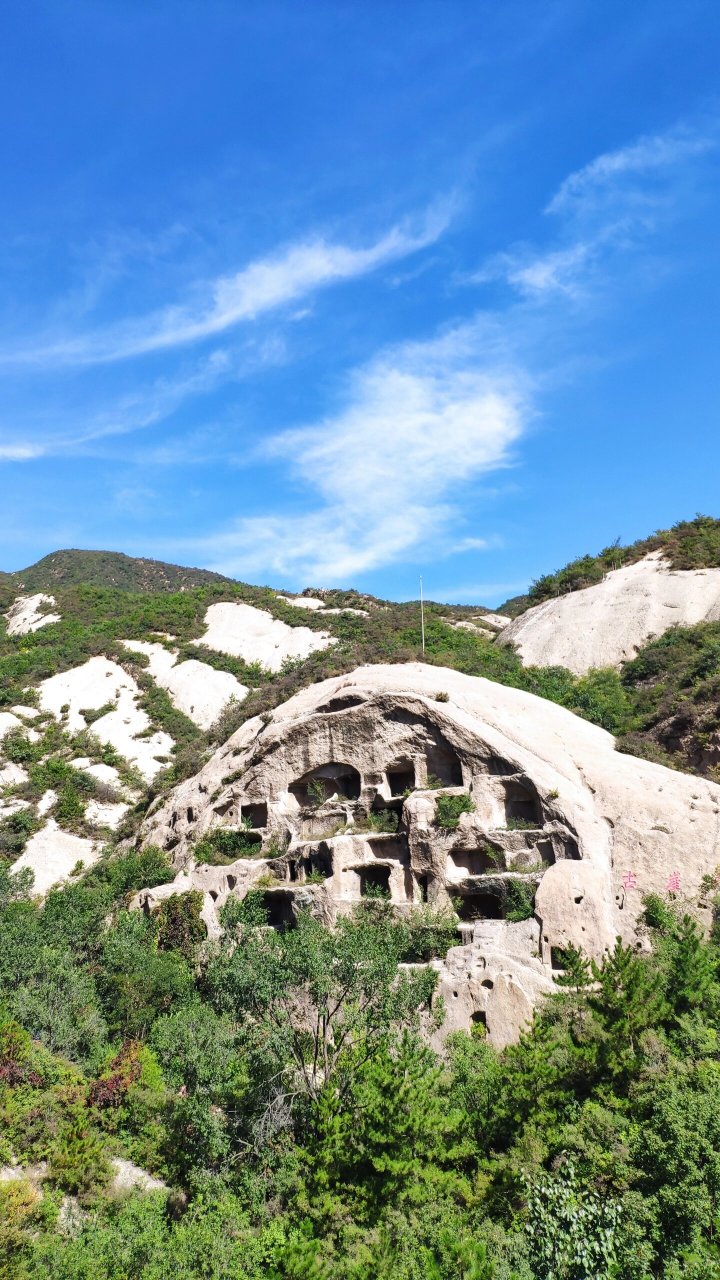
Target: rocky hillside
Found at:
445, 844
108, 569
111, 696
689, 544
607, 624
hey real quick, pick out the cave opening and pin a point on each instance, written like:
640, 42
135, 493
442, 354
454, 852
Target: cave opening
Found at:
479, 904
327, 780
374, 882
279, 909
522, 805
255, 813
401, 777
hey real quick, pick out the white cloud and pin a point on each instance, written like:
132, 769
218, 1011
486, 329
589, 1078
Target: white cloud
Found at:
148, 405
646, 156
419, 423
608, 206
263, 286
20, 452
559, 271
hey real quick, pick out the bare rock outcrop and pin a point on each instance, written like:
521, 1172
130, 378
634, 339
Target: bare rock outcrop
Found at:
561, 839
30, 613
605, 625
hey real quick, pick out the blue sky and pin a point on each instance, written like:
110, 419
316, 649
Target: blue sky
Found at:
339, 293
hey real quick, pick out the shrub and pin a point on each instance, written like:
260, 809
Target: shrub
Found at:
520, 902
431, 933
385, 820
15, 831
179, 927
448, 810
224, 846
69, 808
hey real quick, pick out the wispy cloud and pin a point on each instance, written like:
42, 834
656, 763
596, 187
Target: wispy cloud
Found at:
148, 405
559, 271
647, 156
20, 452
384, 474
604, 208
263, 286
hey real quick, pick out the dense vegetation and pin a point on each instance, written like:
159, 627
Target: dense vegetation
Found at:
284, 1088
292, 1091
690, 544
110, 569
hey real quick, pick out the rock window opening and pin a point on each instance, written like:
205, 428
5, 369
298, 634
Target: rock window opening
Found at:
401, 777
479, 906
422, 884
500, 768
521, 805
444, 765
475, 862
328, 780
255, 814
341, 703
546, 852
279, 909
388, 850
374, 881
320, 861
479, 1019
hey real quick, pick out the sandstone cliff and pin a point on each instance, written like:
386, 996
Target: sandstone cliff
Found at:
557, 820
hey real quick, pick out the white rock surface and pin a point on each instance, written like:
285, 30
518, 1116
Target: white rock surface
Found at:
11, 805
105, 814
130, 1177
106, 773
46, 802
7, 722
597, 830
303, 602
25, 614
90, 687
52, 854
27, 713
314, 603
11, 775
196, 688
495, 621
605, 625
254, 635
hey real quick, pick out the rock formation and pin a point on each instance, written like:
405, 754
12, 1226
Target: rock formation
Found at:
254, 635
606, 624
26, 614
335, 796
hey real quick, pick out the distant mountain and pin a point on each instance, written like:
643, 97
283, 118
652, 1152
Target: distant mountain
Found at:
110, 569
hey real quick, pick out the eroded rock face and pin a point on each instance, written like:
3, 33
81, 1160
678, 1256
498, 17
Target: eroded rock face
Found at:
30, 613
254, 635
605, 625
563, 830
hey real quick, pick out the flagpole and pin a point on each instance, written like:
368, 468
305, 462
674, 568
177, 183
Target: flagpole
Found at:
422, 616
